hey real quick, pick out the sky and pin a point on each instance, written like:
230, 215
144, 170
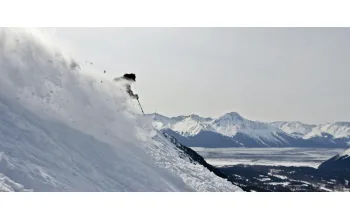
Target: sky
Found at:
264, 74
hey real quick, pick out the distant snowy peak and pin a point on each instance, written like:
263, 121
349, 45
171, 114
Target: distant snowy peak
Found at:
194, 117
232, 117
198, 118
228, 124
232, 123
338, 129
343, 123
235, 120
188, 127
185, 125
294, 127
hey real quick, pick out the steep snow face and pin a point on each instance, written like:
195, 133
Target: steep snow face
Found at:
64, 129
296, 128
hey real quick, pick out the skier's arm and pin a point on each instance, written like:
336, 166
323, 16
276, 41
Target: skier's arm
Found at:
132, 94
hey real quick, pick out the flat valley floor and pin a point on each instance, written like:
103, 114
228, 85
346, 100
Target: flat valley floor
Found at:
278, 169
309, 157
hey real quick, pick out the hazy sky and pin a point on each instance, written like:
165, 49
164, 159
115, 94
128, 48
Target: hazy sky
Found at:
264, 74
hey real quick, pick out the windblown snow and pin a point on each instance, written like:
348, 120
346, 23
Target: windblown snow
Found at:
65, 129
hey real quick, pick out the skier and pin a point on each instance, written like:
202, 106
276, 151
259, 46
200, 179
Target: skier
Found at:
127, 79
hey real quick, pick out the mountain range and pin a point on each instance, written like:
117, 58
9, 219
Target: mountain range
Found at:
233, 130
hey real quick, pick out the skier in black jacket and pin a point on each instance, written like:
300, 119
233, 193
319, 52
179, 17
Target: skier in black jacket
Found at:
127, 79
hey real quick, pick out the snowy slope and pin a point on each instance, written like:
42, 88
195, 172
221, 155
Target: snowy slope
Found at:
62, 129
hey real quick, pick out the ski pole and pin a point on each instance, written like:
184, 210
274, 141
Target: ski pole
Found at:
141, 107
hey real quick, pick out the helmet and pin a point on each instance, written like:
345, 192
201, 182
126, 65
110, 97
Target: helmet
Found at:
130, 76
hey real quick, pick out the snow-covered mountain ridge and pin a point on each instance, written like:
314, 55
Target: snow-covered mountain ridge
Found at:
232, 129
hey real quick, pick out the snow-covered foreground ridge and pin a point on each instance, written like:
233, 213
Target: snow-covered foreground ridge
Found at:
62, 129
